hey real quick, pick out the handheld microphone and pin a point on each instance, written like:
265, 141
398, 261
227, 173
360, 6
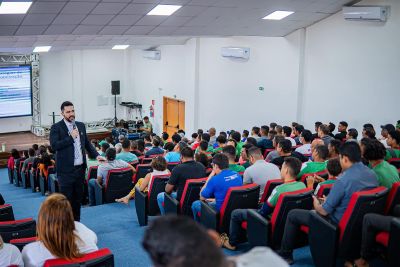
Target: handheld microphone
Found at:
73, 124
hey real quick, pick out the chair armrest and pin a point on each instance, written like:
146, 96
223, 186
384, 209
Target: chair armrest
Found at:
98, 193
258, 229
142, 206
396, 211
322, 238
171, 205
209, 217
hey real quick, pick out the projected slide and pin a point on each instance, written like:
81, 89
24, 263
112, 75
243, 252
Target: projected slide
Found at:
15, 91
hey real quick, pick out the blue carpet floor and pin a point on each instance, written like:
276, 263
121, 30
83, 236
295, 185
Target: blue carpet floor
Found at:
115, 224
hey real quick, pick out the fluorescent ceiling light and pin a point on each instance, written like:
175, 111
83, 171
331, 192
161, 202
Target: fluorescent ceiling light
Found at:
120, 47
278, 15
39, 49
14, 7
163, 10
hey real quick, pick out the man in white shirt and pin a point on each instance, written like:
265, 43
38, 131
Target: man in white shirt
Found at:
287, 131
260, 171
305, 139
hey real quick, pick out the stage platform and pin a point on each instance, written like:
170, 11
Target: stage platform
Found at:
24, 140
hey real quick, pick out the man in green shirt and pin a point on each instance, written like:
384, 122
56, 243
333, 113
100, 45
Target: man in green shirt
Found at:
230, 152
147, 127
393, 141
290, 169
320, 154
387, 174
239, 144
221, 142
125, 154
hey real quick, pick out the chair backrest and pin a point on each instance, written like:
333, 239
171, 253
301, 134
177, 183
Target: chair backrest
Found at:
393, 198
395, 162
100, 258
238, 197
324, 190
6, 213
156, 186
266, 151
172, 165
92, 172
51, 170
191, 193
300, 199
361, 203
141, 171
323, 174
269, 187
17, 229
28, 167
208, 171
19, 163
21, 242
118, 184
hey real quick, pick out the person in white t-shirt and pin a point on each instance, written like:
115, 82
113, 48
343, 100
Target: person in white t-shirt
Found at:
305, 139
58, 235
10, 255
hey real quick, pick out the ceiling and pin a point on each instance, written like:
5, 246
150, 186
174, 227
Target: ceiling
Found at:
92, 24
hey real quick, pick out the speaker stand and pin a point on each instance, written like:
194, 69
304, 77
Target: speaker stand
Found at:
115, 111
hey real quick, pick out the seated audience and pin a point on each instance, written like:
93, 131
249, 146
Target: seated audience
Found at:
274, 154
89, 163
36, 148
11, 160
147, 142
239, 144
213, 138
333, 148
125, 154
287, 132
156, 149
271, 135
245, 134
137, 147
369, 132
263, 142
289, 172
50, 151
323, 133
174, 151
102, 172
230, 152
164, 138
221, 142
30, 159
260, 171
43, 167
279, 130
334, 169
159, 167
176, 138
387, 173
118, 148
332, 127
205, 148
252, 141
305, 140
356, 177
244, 159
181, 133
342, 128
385, 132
393, 141
203, 159
104, 147
194, 139
58, 235
188, 169
320, 154
255, 132
297, 130
285, 150
217, 184
272, 125
10, 254
352, 135
316, 125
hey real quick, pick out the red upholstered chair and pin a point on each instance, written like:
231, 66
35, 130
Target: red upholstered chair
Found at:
34, 179
100, 258
146, 202
6, 213
92, 172
172, 165
393, 198
141, 171
329, 241
208, 171
118, 183
261, 232
324, 190
395, 162
17, 171
149, 159
191, 193
269, 187
323, 174
17, 229
239, 197
134, 163
21, 242
43, 184
266, 151
25, 176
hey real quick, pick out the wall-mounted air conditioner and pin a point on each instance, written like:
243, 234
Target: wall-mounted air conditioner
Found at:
374, 13
236, 52
152, 54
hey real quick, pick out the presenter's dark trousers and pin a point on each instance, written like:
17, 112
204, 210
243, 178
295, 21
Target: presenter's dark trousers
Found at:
71, 185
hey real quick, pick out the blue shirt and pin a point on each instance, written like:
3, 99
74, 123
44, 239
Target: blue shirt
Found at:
264, 143
219, 185
127, 156
173, 156
154, 151
357, 178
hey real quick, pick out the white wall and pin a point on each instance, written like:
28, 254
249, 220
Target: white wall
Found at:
352, 70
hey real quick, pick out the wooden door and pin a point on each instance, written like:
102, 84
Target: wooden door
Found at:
174, 115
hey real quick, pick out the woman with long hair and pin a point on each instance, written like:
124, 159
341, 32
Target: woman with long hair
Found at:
58, 235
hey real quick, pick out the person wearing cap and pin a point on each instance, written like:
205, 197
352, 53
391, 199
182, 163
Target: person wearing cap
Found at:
385, 132
342, 128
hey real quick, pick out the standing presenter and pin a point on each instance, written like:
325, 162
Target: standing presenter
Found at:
69, 141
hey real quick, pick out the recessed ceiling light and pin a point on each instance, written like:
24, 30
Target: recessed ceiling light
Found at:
278, 15
120, 47
14, 7
163, 10
39, 49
